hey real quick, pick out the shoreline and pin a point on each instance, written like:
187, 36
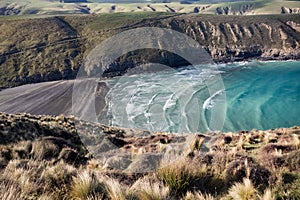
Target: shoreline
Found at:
13, 100
112, 75
260, 60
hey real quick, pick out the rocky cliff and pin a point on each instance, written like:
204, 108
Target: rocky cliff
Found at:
286, 10
53, 48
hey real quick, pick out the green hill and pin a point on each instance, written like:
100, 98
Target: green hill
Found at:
53, 48
231, 7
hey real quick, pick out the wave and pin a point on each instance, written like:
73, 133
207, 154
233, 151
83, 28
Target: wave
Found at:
210, 102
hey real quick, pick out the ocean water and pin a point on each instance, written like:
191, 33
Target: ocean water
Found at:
227, 97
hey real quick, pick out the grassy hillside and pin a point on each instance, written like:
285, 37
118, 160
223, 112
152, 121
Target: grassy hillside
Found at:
254, 7
41, 157
52, 48
45, 7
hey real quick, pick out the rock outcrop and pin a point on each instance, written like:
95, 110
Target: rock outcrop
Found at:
286, 10
242, 10
11, 9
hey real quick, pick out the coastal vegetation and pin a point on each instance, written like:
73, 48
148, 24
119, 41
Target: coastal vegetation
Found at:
42, 157
62, 157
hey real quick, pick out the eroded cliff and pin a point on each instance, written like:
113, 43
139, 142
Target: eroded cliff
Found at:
44, 49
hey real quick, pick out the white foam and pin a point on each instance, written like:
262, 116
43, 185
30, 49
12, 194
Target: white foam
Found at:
170, 102
209, 103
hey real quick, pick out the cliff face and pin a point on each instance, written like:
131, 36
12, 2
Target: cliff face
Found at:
287, 10
35, 50
10, 9
241, 10
241, 38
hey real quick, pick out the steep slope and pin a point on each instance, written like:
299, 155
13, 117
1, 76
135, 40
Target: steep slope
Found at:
53, 48
53, 98
38, 49
42, 157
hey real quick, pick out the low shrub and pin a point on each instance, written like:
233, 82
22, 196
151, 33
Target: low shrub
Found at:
293, 161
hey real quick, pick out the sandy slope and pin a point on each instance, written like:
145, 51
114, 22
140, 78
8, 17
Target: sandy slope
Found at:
51, 98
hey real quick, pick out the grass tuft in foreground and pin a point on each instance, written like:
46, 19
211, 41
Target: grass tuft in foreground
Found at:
250, 165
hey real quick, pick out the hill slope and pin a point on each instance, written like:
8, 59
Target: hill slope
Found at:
42, 157
224, 7
53, 48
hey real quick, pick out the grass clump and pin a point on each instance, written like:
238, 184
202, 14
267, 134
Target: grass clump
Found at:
267, 195
289, 188
148, 189
10, 192
243, 191
179, 176
58, 178
85, 186
44, 150
117, 191
198, 196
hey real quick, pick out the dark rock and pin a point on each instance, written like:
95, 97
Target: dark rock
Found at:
117, 141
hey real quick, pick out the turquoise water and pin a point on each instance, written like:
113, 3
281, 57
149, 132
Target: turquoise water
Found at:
262, 95
259, 95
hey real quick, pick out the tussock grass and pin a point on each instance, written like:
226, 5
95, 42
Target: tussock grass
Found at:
180, 176
243, 191
44, 150
267, 195
115, 190
10, 192
198, 196
148, 189
86, 185
269, 170
57, 179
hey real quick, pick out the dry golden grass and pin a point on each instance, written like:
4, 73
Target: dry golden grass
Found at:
267, 195
86, 185
243, 191
115, 190
198, 196
150, 189
265, 166
181, 175
10, 192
